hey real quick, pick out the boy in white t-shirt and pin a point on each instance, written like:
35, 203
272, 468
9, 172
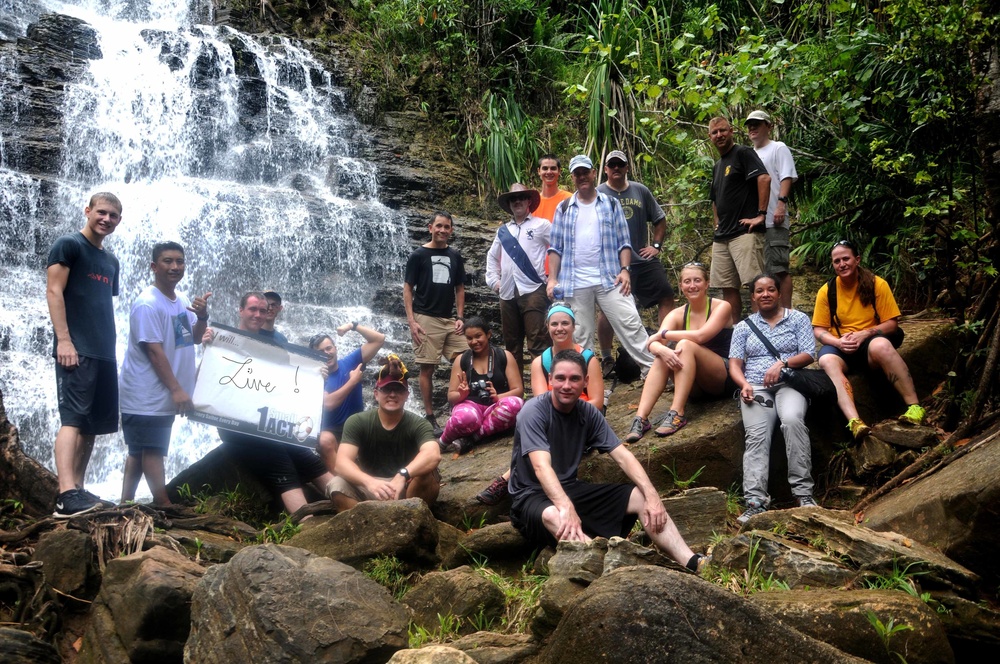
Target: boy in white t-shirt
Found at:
158, 373
780, 166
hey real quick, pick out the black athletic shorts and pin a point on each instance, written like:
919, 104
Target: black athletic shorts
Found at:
601, 508
143, 432
281, 465
649, 283
88, 396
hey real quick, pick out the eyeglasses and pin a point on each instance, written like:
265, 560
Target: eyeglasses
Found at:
766, 403
316, 339
616, 164
754, 123
846, 243
520, 199
693, 264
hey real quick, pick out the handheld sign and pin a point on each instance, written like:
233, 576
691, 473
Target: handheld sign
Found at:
254, 385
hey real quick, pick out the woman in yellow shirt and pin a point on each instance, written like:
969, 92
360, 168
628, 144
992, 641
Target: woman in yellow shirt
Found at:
863, 333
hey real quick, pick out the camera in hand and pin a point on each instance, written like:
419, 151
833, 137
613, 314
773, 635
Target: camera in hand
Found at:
479, 391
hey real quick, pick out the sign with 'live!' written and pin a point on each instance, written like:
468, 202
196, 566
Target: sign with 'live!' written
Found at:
254, 385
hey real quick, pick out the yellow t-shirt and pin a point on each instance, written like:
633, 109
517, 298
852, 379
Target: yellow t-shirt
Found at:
853, 315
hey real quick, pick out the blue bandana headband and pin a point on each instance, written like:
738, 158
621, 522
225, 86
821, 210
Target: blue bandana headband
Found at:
560, 308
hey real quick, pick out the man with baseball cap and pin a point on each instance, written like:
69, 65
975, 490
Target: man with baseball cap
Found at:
741, 189
650, 285
590, 263
515, 268
777, 159
387, 453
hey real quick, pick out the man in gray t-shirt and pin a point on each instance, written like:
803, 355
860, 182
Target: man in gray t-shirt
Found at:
550, 503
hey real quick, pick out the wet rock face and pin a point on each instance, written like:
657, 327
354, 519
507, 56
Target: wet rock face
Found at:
66, 33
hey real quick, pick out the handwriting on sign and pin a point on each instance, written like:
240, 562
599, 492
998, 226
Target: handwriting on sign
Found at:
241, 379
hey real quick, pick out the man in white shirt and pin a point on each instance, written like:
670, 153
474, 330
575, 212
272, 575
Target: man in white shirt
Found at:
780, 166
158, 372
515, 268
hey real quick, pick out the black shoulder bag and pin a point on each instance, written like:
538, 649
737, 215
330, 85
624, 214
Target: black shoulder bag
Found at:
811, 383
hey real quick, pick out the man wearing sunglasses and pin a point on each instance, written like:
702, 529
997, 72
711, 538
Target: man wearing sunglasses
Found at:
515, 268
650, 285
387, 453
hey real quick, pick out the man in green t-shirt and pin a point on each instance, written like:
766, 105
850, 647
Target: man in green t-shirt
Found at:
387, 453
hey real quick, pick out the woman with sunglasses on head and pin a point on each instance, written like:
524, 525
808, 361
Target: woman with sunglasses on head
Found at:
485, 390
765, 400
700, 333
561, 322
862, 333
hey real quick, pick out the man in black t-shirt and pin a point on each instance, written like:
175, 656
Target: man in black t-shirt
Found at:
550, 503
741, 189
81, 280
434, 285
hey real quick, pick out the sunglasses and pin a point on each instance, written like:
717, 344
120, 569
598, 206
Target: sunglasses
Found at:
846, 243
616, 164
693, 264
519, 199
766, 403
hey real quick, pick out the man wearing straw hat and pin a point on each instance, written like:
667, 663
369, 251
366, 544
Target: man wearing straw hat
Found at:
515, 268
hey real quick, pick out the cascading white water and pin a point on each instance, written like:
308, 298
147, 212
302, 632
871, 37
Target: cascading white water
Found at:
237, 146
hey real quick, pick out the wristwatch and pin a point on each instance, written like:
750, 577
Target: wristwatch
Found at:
354, 325
761, 213
656, 245
405, 473
783, 199
627, 268
784, 363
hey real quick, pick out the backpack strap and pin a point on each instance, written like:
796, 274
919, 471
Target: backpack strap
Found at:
831, 298
547, 362
767, 344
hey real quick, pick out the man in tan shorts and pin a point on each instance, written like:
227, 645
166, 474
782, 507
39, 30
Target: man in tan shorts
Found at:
434, 286
741, 189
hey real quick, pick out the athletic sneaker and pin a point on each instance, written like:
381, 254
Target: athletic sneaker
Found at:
494, 493
607, 366
913, 415
859, 429
640, 425
671, 424
93, 496
806, 501
753, 509
73, 502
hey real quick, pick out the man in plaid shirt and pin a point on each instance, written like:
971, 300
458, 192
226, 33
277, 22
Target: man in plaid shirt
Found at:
589, 262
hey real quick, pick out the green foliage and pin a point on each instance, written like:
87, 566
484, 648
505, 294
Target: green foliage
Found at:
747, 581
521, 593
505, 145
472, 522
678, 482
279, 533
447, 629
886, 631
389, 572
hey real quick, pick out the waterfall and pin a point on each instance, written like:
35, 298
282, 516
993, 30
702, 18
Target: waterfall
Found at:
238, 146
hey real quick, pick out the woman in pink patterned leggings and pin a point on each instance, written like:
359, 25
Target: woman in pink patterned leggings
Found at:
485, 391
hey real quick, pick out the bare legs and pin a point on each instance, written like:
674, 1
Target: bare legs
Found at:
150, 464
699, 366
72, 453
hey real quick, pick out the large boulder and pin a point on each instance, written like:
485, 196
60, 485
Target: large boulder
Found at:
274, 603
143, 612
19, 647
841, 619
956, 510
499, 543
405, 529
461, 592
22, 477
493, 648
651, 614
68, 563
863, 551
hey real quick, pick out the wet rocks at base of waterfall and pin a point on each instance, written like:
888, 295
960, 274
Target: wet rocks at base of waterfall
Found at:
66, 33
280, 603
143, 612
67, 559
